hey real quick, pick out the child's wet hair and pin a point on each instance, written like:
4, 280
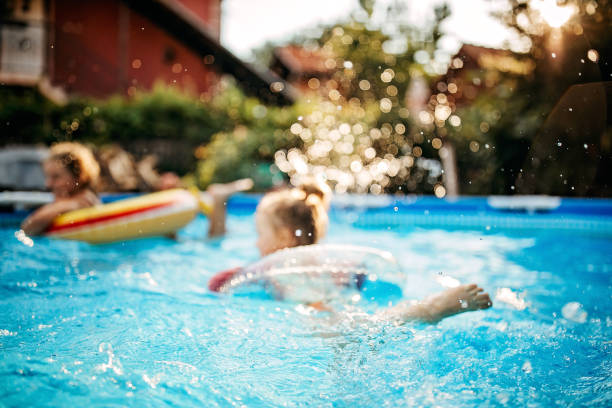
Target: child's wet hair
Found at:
78, 160
302, 210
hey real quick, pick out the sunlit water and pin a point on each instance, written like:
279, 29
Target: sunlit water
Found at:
133, 324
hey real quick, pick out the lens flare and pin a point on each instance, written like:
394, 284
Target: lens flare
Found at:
554, 15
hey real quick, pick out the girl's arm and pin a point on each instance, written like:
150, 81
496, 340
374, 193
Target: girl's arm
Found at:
220, 194
40, 219
216, 219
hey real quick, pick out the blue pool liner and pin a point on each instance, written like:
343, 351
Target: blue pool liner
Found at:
426, 211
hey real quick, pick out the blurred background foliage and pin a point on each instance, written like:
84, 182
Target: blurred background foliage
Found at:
514, 138
230, 133
163, 113
360, 134
359, 129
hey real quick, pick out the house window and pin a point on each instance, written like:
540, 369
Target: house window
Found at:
22, 50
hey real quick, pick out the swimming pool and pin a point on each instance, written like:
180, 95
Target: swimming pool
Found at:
133, 323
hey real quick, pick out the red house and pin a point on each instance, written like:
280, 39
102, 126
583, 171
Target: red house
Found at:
469, 71
102, 47
306, 70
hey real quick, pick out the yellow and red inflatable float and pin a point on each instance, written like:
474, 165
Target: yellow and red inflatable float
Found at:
149, 215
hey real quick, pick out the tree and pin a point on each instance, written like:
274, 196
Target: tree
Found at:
359, 133
540, 128
570, 152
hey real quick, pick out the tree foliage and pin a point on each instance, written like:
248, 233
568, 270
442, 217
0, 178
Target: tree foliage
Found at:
360, 133
513, 136
359, 128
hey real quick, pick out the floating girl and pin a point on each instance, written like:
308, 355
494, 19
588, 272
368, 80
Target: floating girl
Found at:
298, 216
71, 173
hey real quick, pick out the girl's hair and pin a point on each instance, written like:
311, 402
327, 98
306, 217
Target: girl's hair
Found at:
312, 185
302, 209
78, 160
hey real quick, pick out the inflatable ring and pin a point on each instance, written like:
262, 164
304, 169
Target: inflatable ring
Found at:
313, 272
148, 215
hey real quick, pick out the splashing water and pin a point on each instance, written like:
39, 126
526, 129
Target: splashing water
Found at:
133, 324
575, 312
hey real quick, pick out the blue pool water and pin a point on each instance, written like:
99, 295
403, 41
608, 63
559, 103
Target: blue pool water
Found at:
133, 323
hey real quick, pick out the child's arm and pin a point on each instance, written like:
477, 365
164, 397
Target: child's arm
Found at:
220, 193
453, 301
40, 219
216, 219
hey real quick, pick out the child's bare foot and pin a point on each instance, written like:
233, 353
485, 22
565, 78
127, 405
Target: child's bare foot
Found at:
435, 308
457, 300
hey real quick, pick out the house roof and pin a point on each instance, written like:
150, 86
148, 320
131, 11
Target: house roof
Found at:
492, 58
184, 25
475, 51
299, 60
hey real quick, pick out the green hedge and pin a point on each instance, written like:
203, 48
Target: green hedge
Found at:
164, 114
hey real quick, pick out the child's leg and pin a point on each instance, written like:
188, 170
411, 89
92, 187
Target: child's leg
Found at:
220, 193
453, 301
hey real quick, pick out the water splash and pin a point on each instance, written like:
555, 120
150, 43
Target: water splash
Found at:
447, 281
506, 295
575, 312
113, 362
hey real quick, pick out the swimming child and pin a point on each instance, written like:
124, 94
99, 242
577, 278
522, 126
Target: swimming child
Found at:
298, 216
71, 172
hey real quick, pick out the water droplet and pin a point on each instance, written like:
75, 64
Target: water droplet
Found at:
527, 368
575, 312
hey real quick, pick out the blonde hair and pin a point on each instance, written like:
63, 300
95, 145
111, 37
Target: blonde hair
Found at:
78, 160
302, 209
313, 185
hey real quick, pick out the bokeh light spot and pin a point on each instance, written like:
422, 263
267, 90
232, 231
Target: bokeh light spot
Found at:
593, 55
439, 191
364, 85
313, 83
454, 120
